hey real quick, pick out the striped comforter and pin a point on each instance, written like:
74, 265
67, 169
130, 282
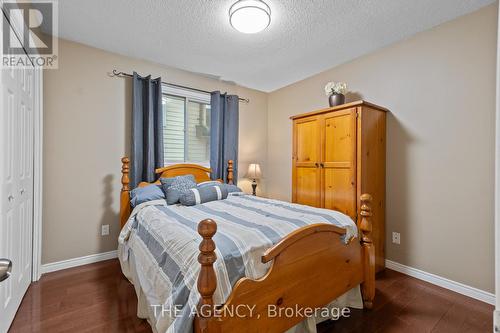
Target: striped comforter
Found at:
164, 243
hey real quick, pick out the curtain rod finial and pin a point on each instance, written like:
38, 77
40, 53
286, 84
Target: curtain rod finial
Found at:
114, 73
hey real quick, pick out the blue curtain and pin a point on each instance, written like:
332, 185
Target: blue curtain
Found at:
224, 123
147, 129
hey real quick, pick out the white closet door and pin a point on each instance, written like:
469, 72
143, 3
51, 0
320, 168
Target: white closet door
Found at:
16, 196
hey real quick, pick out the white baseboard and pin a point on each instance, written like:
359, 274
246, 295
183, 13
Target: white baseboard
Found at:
56, 266
457, 287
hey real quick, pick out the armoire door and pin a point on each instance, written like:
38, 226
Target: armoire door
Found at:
306, 174
338, 164
16, 184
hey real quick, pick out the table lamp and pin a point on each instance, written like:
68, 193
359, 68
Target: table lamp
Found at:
254, 173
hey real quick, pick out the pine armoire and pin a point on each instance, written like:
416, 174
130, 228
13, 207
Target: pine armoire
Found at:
338, 154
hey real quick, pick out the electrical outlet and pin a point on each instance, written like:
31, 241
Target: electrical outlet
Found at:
396, 238
105, 230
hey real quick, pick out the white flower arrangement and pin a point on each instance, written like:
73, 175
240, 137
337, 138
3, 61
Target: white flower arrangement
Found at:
335, 88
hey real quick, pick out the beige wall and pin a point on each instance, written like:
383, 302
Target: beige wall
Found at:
87, 131
440, 88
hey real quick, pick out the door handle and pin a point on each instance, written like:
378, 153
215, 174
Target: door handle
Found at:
22, 191
10, 197
5, 269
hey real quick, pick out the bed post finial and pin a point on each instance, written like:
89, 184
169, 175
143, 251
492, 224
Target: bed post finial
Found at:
368, 286
230, 174
125, 192
207, 281
125, 172
366, 213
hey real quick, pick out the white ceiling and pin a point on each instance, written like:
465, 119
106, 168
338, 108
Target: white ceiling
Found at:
305, 36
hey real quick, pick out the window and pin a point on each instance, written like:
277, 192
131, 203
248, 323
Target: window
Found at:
186, 126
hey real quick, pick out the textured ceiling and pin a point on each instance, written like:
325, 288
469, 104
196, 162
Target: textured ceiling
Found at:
305, 36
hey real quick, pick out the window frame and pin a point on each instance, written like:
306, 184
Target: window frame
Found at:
188, 96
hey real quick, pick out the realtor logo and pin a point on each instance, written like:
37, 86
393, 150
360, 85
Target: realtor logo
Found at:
29, 30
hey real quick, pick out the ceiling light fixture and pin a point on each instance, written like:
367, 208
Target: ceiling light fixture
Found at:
249, 16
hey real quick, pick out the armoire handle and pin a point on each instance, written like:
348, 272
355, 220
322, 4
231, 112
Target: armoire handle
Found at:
317, 165
322, 165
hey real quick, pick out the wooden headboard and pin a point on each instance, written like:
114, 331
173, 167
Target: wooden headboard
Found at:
199, 172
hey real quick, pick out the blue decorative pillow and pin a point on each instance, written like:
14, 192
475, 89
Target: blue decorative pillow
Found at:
209, 183
147, 193
167, 182
232, 188
202, 194
178, 187
228, 187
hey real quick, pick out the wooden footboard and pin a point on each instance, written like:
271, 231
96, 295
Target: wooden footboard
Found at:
311, 267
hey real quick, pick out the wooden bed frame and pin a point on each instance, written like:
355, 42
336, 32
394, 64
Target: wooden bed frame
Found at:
311, 267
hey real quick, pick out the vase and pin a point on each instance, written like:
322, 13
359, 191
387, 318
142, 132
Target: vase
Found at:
336, 99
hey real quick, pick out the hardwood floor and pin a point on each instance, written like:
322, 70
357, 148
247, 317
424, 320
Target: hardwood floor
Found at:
405, 304
90, 298
97, 298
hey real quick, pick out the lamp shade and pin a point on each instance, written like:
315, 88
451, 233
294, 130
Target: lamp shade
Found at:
254, 171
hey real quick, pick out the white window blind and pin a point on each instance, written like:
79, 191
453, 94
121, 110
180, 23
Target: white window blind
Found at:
186, 127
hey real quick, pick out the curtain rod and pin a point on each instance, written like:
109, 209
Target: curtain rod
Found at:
117, 73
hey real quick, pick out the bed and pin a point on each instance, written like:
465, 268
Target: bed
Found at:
242, 264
